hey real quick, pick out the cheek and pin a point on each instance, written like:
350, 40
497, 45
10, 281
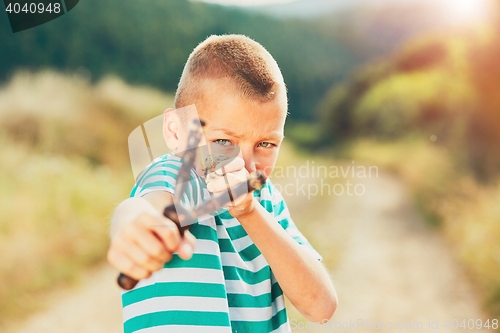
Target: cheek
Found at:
266, 164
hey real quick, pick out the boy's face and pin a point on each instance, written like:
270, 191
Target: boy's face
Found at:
256, 128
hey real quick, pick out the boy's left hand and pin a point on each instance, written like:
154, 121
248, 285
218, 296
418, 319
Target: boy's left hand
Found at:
231, 174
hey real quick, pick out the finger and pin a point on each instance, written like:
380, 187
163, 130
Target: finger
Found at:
230, 179
186, 248
127, 266
239, 200
168, 232
162, 227
113, 256
152, 245
242, 197
189, 238
238, 177
138, 256
230, 165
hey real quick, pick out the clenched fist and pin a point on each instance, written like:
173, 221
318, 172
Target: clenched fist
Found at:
231, 173
143, 240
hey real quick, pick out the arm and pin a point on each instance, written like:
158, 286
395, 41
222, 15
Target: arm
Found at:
301, 276
142, 239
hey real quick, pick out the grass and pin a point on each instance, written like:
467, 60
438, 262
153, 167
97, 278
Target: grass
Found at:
60, 114
54, 214
64, 167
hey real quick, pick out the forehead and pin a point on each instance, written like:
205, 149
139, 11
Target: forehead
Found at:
243, 118
224, 109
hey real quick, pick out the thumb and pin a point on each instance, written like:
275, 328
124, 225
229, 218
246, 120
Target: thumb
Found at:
186, 246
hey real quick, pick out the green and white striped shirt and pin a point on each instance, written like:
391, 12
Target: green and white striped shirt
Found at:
227, 286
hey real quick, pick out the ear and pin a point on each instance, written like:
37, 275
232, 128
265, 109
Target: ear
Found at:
171, 125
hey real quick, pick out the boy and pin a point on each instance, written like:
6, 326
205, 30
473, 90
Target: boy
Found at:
230, 271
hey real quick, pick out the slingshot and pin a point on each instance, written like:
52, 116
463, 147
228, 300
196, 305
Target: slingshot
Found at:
177, 213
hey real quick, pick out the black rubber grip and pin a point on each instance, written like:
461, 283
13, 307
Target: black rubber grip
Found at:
171, 213
126, 282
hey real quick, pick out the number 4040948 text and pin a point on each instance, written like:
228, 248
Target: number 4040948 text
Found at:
33, 8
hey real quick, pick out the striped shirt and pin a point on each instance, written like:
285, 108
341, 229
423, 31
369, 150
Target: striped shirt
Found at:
227, 286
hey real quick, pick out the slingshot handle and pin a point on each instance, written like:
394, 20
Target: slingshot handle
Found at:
126, 282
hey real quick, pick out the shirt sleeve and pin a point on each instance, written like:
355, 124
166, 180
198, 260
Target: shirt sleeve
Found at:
161, 175
282, 215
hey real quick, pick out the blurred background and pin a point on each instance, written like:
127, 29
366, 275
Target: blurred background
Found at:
411, 87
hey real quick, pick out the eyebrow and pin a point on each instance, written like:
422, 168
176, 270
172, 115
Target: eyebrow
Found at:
227, 131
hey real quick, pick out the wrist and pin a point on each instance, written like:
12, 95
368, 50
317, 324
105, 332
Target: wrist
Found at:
244, 210
127, 211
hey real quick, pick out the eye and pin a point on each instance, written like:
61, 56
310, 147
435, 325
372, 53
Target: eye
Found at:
266, 144
223, 142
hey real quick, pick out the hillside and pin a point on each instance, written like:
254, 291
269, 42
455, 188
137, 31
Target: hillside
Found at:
148, 44
430, 112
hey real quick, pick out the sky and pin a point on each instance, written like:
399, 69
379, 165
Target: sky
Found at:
459, 10
246, 2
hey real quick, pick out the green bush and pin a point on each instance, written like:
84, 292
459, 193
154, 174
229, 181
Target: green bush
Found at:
64, 167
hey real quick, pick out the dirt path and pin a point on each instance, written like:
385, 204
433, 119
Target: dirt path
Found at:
390, 270
93, 307
394, 273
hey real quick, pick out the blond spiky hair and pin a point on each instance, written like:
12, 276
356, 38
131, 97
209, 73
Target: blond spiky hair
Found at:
237, 58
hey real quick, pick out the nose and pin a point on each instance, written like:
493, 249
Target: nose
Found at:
248, 156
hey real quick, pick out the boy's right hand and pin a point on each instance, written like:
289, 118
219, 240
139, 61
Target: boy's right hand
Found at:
144, 244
